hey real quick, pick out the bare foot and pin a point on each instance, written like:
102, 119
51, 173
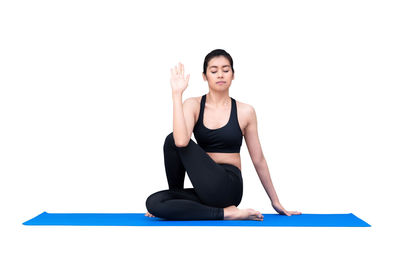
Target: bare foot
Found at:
233, 213
148, 214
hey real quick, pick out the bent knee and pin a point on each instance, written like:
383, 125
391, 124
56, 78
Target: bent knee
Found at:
154, 202
169, 140
151, 203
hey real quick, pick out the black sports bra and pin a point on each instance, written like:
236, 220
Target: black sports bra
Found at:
227, 139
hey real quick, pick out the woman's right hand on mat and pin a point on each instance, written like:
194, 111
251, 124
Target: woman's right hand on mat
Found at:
178, 81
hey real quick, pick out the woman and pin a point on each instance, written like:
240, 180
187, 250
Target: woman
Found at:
213, 164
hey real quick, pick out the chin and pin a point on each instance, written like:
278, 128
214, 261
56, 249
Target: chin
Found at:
221, 89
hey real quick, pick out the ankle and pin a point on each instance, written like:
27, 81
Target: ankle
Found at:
229, 212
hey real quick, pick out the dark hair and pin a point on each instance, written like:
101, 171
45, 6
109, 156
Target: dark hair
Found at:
217, 53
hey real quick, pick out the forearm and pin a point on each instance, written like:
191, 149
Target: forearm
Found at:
179, 125
265, 178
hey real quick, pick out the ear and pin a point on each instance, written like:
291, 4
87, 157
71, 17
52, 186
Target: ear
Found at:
204, 77
233, 76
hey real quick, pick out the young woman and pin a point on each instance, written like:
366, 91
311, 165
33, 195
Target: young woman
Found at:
213, 164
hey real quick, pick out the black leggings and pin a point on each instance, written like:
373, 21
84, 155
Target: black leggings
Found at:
216, 186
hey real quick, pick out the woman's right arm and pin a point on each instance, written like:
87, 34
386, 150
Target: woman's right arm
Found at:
182, 116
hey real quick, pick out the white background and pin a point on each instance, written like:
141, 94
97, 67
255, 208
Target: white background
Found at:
85, 105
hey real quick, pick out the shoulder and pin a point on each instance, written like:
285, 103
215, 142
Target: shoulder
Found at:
192, 105
190, 101
246, 111
244, 106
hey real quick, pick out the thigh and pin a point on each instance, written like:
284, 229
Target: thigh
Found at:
155, 203
181, 204
168, 194
193, 157
209, 179
204, 173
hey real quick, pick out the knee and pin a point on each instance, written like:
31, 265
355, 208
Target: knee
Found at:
151, 204
169, 140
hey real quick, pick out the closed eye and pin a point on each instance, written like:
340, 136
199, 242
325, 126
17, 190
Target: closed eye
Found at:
224, 71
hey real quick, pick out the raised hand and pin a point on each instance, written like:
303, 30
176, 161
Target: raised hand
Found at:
178, 81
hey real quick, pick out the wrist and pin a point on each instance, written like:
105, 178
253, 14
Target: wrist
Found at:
176, 94
275, 202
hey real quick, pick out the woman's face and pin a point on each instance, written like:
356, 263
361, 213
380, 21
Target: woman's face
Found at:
219, 73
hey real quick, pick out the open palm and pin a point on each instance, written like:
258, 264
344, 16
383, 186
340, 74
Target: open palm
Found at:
178, 81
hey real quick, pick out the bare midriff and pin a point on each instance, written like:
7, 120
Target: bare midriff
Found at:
227, 158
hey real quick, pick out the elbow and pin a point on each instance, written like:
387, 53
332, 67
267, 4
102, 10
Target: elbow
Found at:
259, 161
181, 144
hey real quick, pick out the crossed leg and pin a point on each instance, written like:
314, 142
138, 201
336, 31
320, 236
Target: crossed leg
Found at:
214, 196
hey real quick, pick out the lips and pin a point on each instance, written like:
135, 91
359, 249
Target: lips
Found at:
220, 82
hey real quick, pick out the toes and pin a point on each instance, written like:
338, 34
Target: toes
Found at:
148, 214
258, 214
256, 218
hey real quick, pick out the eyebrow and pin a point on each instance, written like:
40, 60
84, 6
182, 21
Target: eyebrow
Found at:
222, 66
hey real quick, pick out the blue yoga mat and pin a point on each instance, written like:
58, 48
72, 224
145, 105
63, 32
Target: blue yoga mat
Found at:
138, 219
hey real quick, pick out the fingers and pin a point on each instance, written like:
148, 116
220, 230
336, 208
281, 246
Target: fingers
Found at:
290, 213
285, 212
181, 70
174, 71
294, 212
178, 70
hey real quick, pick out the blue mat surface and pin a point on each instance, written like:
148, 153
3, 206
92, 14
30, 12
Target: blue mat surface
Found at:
138, 219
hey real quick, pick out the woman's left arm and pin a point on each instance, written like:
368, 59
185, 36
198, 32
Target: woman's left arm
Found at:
259, 162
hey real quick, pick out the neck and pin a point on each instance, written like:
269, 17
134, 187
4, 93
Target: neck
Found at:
218, 99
